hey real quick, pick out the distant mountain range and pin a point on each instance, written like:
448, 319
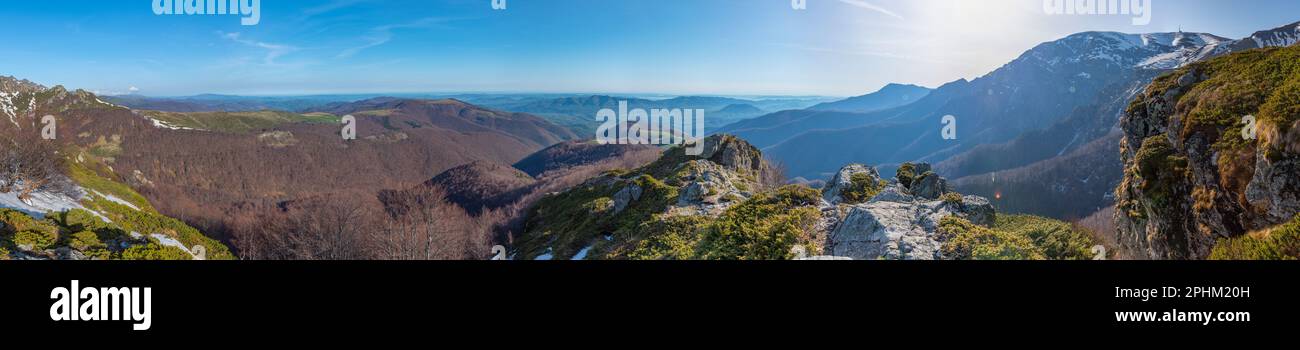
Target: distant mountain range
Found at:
575, 112
719, 111
891, 96
228, 103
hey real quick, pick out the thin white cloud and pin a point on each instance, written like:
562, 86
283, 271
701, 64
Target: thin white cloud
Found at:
273, 51
384, 34
331, 6
872, 7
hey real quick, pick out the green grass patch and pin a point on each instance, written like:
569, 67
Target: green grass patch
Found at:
765, 227
93, 175
1014, 237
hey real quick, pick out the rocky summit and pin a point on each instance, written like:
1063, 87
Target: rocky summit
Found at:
900, 221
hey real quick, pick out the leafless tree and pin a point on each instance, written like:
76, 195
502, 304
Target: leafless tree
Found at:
773, 174
317, 229
424, 226
29, 165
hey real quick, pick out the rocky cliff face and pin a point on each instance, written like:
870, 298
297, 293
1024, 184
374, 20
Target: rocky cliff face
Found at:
1197, 170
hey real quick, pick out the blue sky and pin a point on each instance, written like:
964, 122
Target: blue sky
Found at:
712, 47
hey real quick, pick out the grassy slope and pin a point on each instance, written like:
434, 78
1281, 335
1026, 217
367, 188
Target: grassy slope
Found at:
1279, 243
238, 122
1015, 237
89, 233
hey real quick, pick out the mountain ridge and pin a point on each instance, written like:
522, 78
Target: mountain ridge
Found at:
890, 96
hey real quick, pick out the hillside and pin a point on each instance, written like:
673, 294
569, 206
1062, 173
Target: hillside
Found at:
454, 115
57, 201
231, 173
477, 186
235, 122
1070, 187
1192, 177
578, 153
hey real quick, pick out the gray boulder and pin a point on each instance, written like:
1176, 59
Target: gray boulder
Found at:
929, 186
894, 193
1275, 187
890, 230
978, 210
626, 196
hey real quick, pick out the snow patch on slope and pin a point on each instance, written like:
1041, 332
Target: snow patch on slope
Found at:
165, 125
39, 203
7, 106
172, 242
114, 199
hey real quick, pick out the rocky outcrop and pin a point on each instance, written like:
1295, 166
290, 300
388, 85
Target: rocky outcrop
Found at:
733, 154
929, 186
676, 186
843, 180
896, 224
626, 196
1193, 173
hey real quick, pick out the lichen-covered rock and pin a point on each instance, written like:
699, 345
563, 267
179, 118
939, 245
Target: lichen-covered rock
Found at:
843, 181
978, 210
710, 188
626, 196
733, 154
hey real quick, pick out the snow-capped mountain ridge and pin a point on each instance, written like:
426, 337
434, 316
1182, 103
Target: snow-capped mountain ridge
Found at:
12, 91
13, 86
21, 100
1192, 52
1282, 36
1125, 50
1155, 50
